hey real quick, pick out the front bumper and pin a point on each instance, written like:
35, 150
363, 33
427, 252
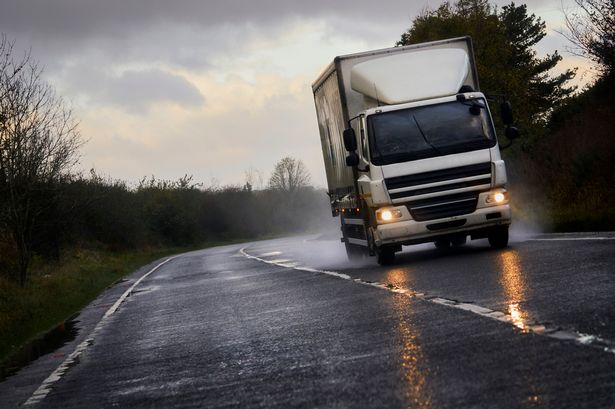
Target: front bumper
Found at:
412, 232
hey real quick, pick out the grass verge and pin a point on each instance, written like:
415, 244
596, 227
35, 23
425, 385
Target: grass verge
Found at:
56, 291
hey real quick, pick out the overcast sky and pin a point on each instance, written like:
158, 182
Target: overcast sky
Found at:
207, 88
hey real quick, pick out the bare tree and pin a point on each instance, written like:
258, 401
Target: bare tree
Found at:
289, 175
591, 29
39, 145
253, 179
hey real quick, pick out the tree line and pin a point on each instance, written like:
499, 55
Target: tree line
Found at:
108, 213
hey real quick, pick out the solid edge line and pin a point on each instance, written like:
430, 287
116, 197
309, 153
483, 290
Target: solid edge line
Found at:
526, 326
43, 390
571, 239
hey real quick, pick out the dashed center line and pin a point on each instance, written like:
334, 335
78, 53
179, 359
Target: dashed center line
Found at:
526, 326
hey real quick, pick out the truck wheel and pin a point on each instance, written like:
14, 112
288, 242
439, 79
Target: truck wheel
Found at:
442, 244
458, 241
354, 252
498, 237
386, 256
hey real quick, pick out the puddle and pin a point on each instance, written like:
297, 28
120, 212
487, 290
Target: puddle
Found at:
44, 345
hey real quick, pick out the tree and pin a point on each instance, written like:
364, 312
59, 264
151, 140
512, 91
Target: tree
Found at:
253, 179
506, 61
591, 29
289, 175
39, 145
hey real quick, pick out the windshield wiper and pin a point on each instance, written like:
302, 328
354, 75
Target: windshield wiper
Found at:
424, 137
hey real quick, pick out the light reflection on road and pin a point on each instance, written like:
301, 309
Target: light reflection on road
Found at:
415, 368
514, 283
397, 277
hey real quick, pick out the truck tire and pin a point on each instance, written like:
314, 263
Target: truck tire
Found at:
354, 252
458, 241
386, 256
442, 244
498, 237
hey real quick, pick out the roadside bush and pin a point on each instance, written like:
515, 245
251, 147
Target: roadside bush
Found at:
99, 211
570, 171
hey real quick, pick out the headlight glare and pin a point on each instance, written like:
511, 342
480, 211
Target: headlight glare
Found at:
498, 197
386, 214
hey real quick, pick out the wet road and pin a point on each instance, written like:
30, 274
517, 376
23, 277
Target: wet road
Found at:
289, 323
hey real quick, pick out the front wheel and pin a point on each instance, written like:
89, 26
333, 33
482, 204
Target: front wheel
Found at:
458, 241
498, 237
386, 256
442, 244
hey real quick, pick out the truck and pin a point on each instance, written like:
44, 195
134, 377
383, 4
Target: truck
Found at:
410, 149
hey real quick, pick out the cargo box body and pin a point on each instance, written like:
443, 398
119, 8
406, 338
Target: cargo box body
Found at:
337, 102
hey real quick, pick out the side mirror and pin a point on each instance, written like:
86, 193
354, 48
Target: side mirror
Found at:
352, 159
350, 141
512, 133
506, 113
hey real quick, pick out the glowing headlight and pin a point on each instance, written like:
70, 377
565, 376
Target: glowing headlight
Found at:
386, 215
499, 197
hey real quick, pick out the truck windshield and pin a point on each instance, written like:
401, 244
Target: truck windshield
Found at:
428, 131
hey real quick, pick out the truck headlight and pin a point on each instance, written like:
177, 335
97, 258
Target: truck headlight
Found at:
498, 197
388, 214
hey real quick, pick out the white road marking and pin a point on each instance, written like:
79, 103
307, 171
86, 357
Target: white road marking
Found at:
271, 253
572, 239
526, 326
45, 387
280, 261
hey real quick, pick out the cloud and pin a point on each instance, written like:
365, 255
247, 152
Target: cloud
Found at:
85, 18
187, 34
137, 90
209, 88
69, 18
133, 90
190, 33
247, 124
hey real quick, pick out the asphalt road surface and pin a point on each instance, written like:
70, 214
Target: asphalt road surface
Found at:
290, 323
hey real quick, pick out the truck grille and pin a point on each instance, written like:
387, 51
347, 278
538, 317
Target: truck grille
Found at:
478, 169
441, 193
443, 206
